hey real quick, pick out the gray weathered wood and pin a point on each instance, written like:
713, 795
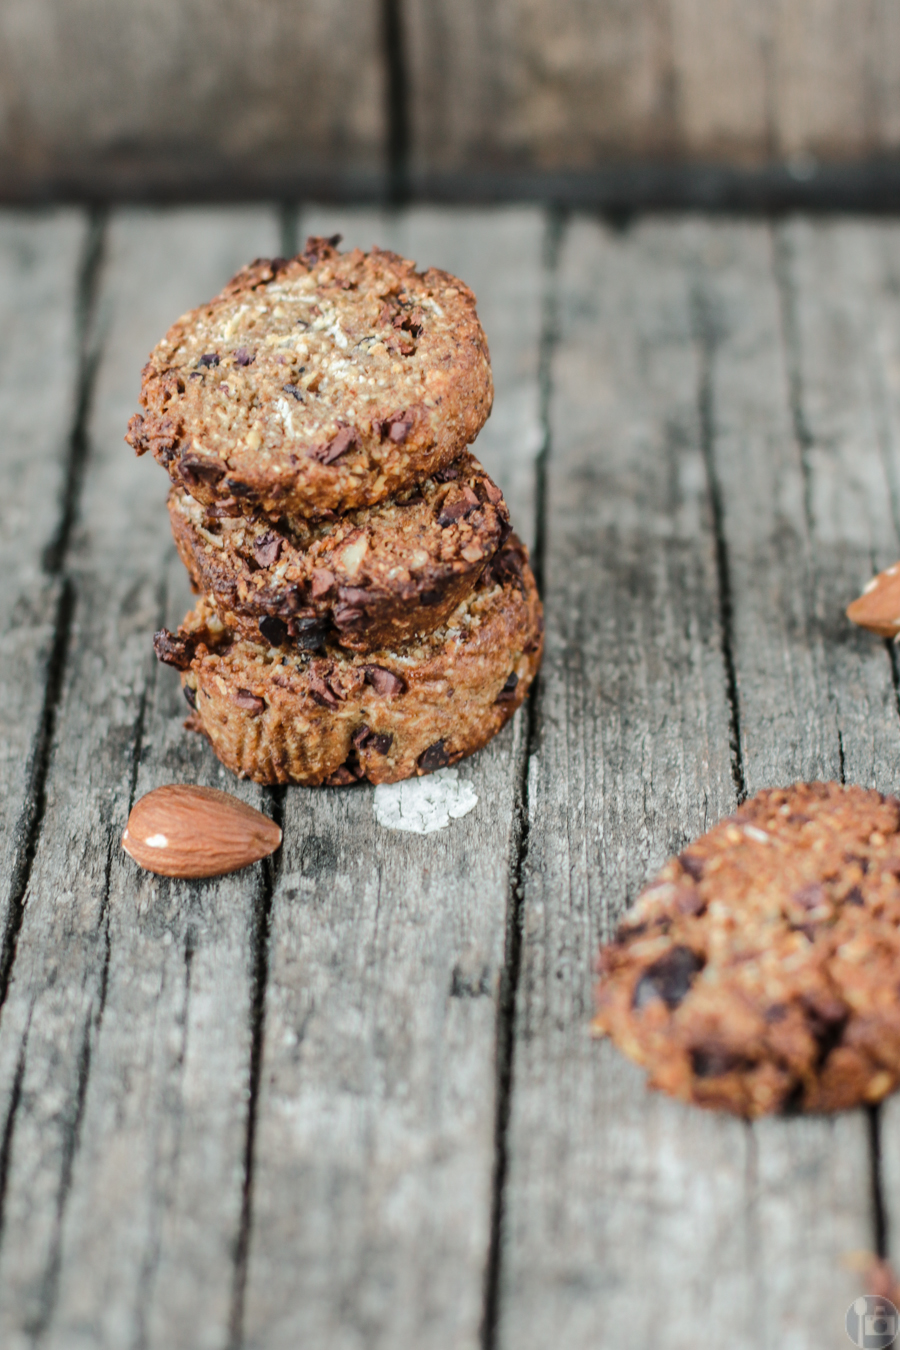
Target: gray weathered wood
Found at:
375, 1136
125, 1040
523, 85
671, 417
40, 257
184, 94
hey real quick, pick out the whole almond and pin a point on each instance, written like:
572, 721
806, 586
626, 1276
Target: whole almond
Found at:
182, 830
878, 608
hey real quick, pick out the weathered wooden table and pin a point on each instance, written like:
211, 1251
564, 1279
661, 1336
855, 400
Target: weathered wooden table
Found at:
351, 1100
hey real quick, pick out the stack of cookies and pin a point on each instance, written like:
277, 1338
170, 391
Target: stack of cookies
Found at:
364, 611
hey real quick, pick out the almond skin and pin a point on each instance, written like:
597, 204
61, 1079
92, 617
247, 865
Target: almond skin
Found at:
878, 608
182, 830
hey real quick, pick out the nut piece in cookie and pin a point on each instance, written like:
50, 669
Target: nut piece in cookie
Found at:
760, 971
878, 608
280, 715
325, 383
372, 578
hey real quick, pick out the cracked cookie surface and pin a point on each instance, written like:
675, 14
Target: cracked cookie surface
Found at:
279, 715
326, 382
371, 578
760, 971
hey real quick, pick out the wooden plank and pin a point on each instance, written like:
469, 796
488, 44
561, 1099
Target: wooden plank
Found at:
377, 1102
674, 471
125, 1041
40, 260
181, 95
522, 86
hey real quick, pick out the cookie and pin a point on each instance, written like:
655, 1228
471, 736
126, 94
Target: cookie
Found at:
325, 383
372, 578
279, 715
760, 971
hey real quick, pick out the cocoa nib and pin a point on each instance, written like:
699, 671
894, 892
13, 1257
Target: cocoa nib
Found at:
295, 390
669, 978
173, 650
190, 694
508, 692
209, 359
321, 582
506, 566
321, 692
267, 549
308, 632
242, 357
395, 428
493, 493
436, 756
273, 629
162, 440
318, 248
249, 701
691, 864
345, 776
337, 446
384, 682
239, 489
197, 470
458, 510
367, 739
346, 615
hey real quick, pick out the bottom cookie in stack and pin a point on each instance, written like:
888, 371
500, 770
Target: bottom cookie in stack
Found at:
281, 715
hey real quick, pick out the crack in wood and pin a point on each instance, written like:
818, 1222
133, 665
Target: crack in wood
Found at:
28, 827
9, 1125
787, 299
705, 336
881, 1235
509, 981
89, 360
260, 980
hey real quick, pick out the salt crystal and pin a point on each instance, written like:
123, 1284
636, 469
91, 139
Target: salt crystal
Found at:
421, 805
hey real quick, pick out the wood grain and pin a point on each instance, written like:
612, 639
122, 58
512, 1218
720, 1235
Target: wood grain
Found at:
674, 481
125, 1040
40, 261
181, 96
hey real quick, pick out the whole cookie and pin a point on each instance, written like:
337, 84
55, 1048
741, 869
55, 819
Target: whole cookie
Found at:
371, 578
760, 971
280, 715
324, 383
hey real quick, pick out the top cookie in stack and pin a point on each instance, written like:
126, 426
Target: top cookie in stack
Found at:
322, 384
365, 612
